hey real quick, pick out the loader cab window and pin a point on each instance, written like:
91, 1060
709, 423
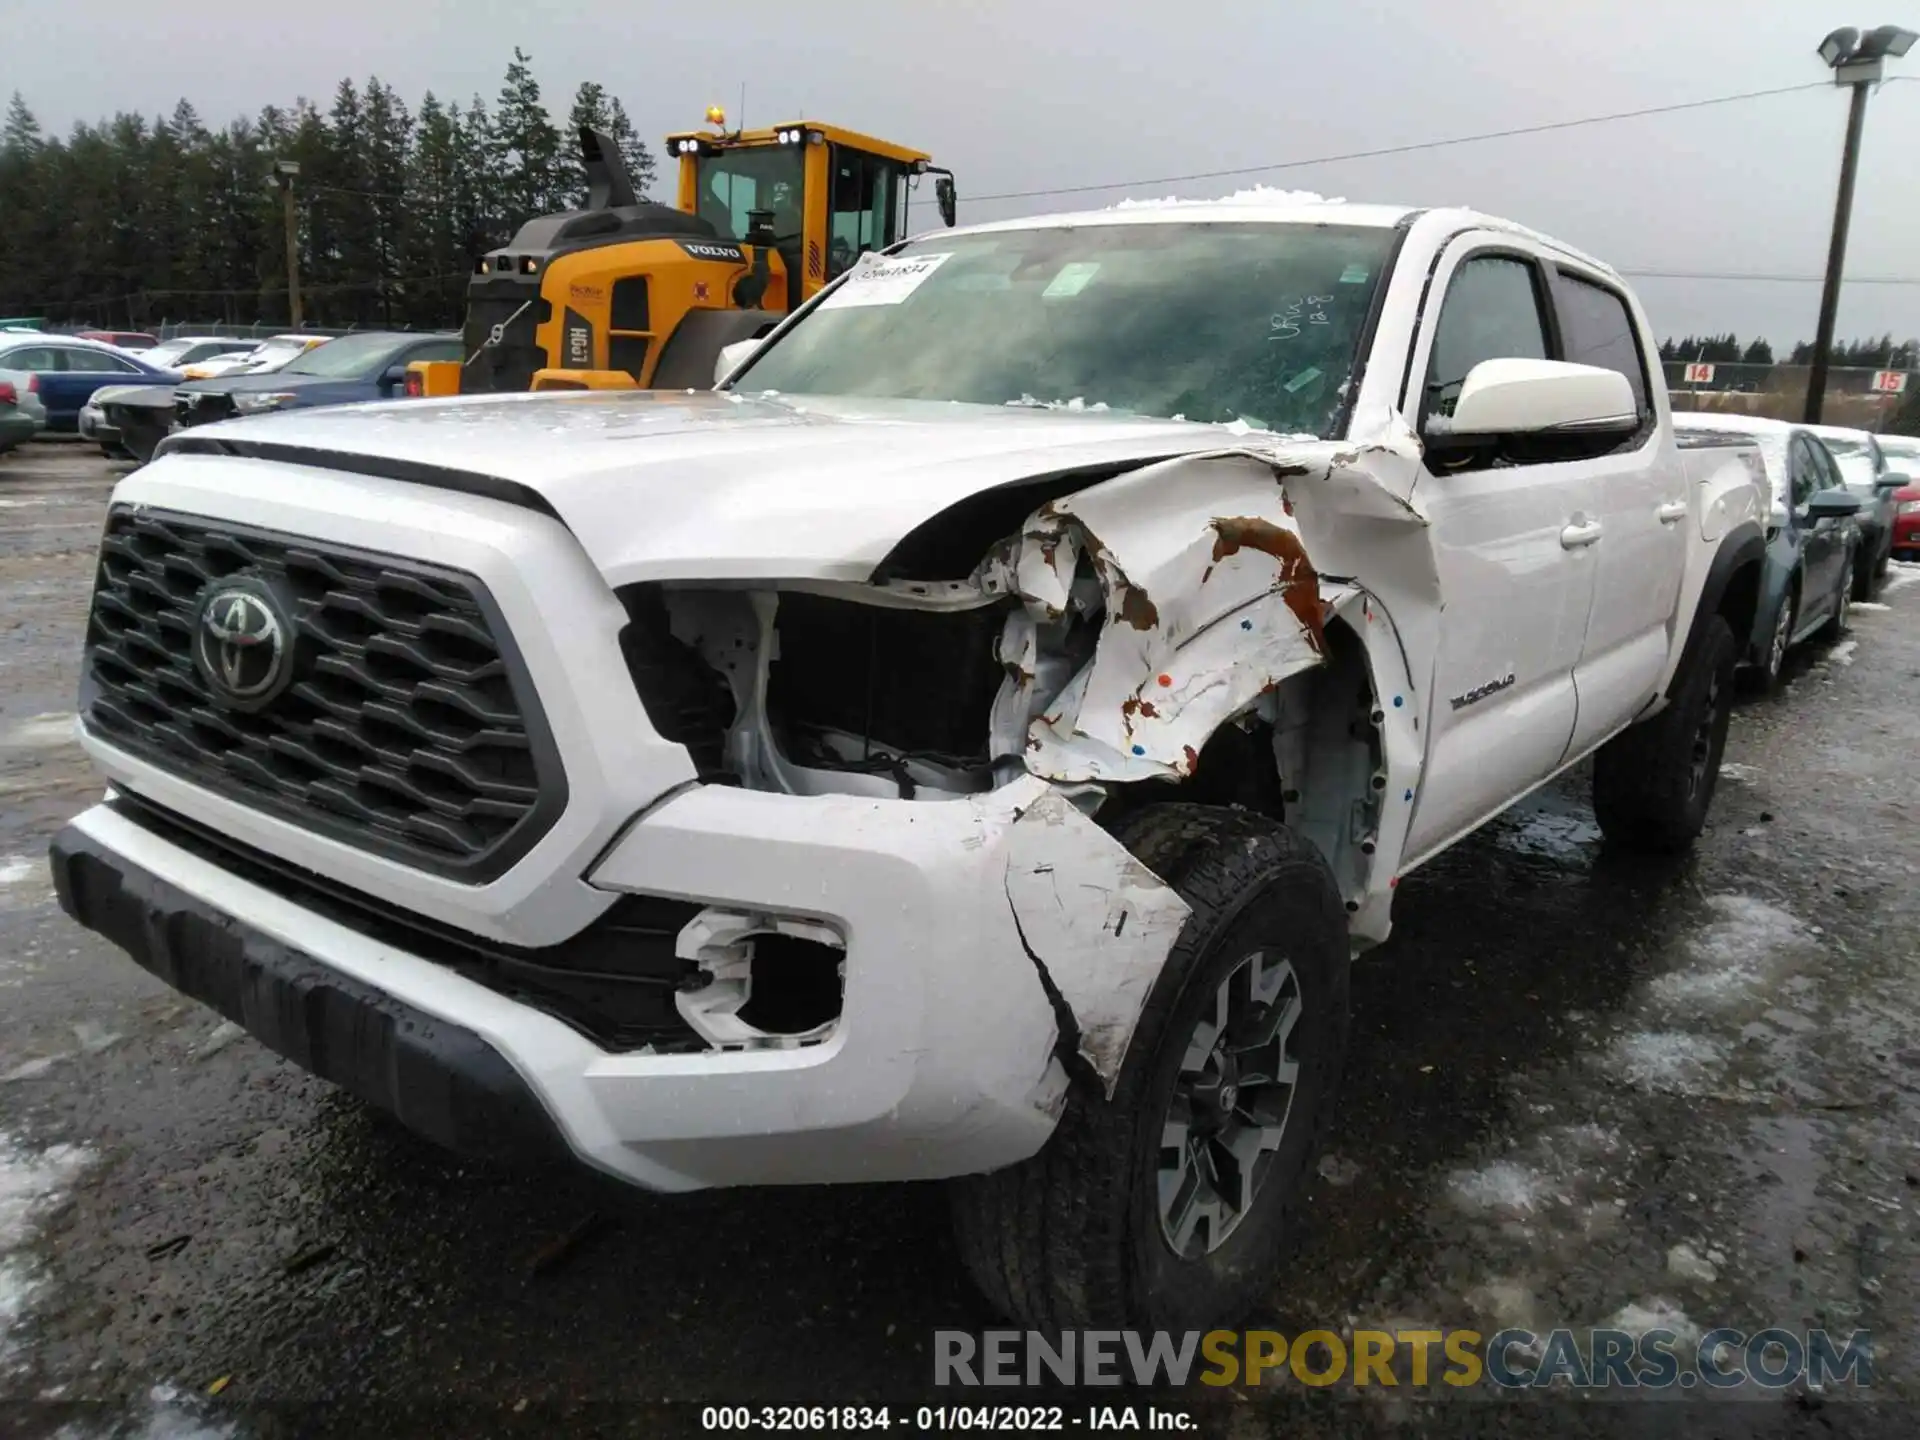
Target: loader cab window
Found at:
862, 214
737, 182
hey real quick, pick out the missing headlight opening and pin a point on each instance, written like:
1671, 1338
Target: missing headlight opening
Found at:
1148, 627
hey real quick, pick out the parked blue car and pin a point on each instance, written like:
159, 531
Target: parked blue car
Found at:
1814, 546
367, 366
70, 370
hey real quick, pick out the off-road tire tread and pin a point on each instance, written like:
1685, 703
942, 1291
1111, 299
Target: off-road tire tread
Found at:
1044, 1239
1640, 776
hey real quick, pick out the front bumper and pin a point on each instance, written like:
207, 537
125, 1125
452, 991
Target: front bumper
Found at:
941, 1063
1906, 533
440, 1078
94, 426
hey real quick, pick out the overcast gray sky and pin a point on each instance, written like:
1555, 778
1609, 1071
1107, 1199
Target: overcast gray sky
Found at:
1027, 94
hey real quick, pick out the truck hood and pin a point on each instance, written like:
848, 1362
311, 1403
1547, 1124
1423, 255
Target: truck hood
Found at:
716, 486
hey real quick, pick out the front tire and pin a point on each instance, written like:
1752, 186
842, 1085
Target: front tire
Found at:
1860, 578
1653, 783
1766, 675
1169, 1206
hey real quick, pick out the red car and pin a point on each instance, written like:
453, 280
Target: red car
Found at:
1903, 453
124, 339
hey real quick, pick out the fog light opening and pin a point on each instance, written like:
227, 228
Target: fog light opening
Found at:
765, 982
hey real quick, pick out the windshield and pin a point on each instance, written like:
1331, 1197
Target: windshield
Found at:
166, 352
1902, 452
344, 359
1207, 322
1854, 459
736, 181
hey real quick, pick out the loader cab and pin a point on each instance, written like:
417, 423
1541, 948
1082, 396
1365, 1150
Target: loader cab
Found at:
825, 195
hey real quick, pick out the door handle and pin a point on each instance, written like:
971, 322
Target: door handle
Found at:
1580, 534
1670, 513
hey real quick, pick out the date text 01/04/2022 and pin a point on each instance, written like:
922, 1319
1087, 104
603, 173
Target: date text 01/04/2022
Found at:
988, 1419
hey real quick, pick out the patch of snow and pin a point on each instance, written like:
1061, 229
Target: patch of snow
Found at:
29, 1183
1506, 1187
1686, 1263
1860, 605
1669, 1062
44, 732
1900, 574
224, 1034
1659, 1313
1740, 774
172, 1415
1740, 950
1338, 1170
1257, 195
1842, 654
16, 868
1078, 402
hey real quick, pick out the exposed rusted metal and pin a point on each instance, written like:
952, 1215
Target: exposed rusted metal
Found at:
1299, 582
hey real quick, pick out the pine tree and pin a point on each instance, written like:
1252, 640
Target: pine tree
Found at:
433, 253
388, 139
526, 148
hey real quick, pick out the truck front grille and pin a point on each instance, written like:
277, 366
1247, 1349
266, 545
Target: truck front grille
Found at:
402, 722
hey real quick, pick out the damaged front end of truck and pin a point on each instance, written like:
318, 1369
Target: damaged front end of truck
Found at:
1188, 628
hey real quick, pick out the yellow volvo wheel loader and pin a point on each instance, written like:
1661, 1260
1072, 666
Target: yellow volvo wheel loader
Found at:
629, 293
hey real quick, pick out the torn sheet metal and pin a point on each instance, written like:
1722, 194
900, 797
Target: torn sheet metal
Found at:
1097, 924
1210, 598
1211, 595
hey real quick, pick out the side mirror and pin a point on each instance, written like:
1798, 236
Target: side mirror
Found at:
1539, 397
732, 357
947, 198
392, 376
1832, 505
1893, 480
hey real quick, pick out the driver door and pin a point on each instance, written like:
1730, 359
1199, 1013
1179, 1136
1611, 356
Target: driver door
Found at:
1516, 578
1810, 470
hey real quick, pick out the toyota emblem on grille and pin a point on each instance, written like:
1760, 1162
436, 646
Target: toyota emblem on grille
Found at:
243, 645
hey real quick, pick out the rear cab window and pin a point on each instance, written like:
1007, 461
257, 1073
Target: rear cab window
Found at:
1597, 328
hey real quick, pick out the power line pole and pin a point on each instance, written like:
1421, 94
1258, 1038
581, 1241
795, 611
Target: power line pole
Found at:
284, 173
1858, 61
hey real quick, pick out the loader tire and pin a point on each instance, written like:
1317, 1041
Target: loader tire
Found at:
1653, 783
1084, 1233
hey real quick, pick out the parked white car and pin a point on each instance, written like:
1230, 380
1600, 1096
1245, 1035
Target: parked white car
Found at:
969, 745
268, 355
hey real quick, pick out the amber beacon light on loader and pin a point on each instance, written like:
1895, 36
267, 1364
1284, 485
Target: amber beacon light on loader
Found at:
633, 294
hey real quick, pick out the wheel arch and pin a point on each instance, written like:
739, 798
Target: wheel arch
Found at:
1732, 592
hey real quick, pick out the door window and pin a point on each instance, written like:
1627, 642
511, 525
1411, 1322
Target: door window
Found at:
437, 350
1492, 312
1803, 471
861, 215
34, 357
97, 362
1596, 328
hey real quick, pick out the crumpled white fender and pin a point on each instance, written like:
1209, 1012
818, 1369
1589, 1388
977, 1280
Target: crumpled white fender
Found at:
1211, 595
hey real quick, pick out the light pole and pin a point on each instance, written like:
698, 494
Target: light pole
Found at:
282, 178
1859, 61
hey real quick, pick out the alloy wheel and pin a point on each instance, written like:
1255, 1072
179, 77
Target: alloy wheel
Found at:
1230, 1106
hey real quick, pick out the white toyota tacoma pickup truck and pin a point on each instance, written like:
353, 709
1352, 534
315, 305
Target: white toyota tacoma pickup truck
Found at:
970, 743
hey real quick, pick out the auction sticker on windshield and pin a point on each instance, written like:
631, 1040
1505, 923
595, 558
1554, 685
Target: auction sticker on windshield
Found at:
884, 282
